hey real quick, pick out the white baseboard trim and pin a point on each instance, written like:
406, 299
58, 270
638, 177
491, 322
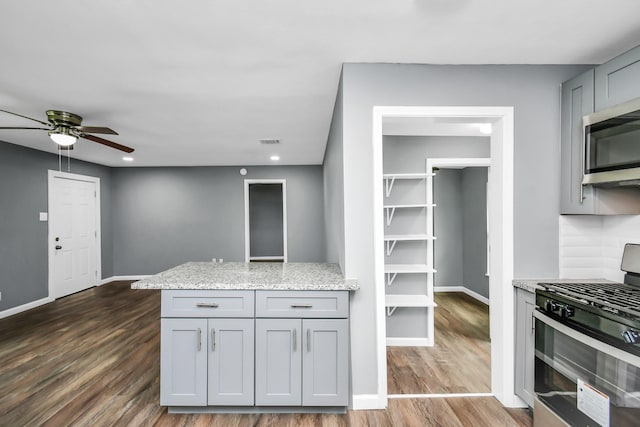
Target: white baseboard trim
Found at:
362, 402
114, 278
438, 395
463, 289
409, 342
24, 307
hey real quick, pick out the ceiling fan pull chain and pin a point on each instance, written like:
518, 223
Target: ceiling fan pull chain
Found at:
68, 161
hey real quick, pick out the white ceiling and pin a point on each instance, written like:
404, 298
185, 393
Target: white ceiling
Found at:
199, 82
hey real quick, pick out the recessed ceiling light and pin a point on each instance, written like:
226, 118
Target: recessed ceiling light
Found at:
275, 157
127, 159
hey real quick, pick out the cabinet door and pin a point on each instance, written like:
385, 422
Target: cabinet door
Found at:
183, 362
525, 345
577, 100
617, 80
278, 362
325, 362
230, 361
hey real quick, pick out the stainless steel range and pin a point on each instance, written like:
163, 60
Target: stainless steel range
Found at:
587, 357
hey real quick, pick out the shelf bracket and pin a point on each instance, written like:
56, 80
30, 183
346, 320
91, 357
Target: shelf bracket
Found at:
390, 278
390, 212
390, 245
390, 311
388, 185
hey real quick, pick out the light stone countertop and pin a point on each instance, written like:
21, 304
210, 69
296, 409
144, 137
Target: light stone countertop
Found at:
257, 276
532, 284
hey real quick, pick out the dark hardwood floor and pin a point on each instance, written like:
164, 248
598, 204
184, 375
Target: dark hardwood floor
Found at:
460, 360
92, 359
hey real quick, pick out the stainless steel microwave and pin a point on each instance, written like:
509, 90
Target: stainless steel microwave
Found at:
612, 146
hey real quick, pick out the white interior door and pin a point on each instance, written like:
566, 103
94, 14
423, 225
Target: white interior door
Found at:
73, 234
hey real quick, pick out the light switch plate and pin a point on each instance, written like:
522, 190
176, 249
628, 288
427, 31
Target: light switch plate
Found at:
44, 216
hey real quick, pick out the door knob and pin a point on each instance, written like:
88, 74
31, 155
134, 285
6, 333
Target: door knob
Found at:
58, 247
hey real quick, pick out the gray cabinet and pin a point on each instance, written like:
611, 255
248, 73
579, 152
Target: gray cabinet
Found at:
282, 348
617, 81
302, 361
183, 362
577, 100
230, 362
206, 360
525, 345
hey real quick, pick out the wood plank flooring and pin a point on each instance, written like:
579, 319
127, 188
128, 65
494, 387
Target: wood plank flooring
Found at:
92, 359
460, 360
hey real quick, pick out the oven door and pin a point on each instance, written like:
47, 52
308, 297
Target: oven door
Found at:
582, 380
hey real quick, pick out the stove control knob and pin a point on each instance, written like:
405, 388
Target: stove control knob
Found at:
550, 306
566, 312
631, 337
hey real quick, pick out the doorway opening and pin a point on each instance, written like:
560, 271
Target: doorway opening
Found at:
74, 233
265, 213
500, 220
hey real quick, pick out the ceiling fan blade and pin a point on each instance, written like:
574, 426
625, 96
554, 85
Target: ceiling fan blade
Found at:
97, 129
13, 127
30, 118
107, 143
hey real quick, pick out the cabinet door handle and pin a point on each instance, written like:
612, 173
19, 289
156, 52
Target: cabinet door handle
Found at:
207, 304
213, 339
533, 322
199, 339
301, 305
295, 339
308, 339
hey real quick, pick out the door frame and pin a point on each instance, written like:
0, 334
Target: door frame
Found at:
52, 174
247, 236
501, 240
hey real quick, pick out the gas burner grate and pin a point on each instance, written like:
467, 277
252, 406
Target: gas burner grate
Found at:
620, 297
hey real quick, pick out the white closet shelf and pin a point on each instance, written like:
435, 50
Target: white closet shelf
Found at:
394, 301
420, 175
415, 205
403, 237
408, 268
390, 178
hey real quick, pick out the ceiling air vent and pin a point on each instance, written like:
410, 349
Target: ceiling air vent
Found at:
269, 141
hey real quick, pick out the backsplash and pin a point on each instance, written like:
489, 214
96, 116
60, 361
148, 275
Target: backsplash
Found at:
591, 246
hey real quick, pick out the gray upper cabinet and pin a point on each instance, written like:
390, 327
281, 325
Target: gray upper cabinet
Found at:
577, 101
618, 80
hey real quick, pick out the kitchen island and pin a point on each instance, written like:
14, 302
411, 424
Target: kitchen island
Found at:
253, 337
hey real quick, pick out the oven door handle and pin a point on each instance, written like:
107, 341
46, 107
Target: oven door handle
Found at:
587, 340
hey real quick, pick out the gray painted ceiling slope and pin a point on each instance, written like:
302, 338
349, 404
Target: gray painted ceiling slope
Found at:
199, 82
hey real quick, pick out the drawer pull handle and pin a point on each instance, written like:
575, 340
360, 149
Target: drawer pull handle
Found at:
301, 305
207, 304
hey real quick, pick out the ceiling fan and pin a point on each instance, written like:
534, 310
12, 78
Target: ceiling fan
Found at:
65, 128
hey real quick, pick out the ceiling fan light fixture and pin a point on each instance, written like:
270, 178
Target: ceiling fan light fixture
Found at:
63, 137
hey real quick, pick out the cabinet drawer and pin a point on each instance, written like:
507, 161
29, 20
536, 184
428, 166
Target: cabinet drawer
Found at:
214, 303
307, 304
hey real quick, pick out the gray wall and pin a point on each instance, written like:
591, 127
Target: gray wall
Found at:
460, 223
333, 186
533, 91
447, 227
23, 238
163, 217
474, 230
265, 220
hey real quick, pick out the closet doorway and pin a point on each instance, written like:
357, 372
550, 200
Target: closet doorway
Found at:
265, 220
